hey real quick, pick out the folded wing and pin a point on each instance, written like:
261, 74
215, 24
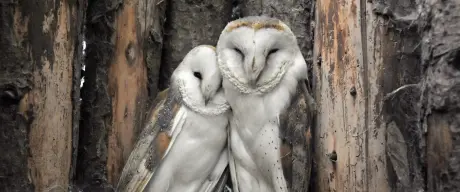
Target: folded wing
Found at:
165, 122
296, 149
153, 143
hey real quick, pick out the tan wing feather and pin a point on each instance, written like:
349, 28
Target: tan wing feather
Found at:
296, 148
151, 146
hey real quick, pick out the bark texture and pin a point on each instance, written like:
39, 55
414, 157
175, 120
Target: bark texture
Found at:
191, 23
441, 60
39, 92
124, 40
366, 140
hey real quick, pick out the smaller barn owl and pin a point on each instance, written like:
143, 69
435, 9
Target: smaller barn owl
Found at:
183, 147
262, 68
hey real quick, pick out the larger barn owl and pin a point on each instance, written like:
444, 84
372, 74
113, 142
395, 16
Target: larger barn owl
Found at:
184, 146
262, 66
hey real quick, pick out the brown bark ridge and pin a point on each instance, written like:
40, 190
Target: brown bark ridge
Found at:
296, 121
441, 60
190, 23
366, 140
122, 56
39, 92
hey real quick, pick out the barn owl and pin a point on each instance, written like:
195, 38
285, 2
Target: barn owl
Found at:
262, 66
183, 147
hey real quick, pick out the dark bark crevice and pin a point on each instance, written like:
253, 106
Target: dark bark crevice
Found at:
405, 171
153, 46
76, 81
441, 90
96, 107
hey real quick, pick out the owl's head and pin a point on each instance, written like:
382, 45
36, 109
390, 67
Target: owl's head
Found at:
198, 74
255, 49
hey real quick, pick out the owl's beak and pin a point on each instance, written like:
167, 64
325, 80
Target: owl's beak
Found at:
207, 95
253, 70
206, 99
252, 82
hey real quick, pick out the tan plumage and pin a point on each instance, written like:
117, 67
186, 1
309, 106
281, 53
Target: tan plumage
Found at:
151, 146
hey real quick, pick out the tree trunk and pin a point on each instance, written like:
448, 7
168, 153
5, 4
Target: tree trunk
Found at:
124, 39
366, 140
441, 59
39, 93
191, 23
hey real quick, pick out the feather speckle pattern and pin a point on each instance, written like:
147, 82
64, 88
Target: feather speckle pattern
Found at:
262, 68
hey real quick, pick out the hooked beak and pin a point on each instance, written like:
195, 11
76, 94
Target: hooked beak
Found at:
206, 99
207, 95
253, 70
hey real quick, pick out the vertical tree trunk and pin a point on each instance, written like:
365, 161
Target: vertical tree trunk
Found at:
191, 23
39, 88
366, 140
298, 15
124, 39
441, 58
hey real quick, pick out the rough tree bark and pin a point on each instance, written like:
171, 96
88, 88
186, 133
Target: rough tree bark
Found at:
366, 140
124, 42
191, 23
40, 61
441, 93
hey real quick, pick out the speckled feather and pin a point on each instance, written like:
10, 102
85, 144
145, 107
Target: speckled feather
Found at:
296, 147
151, 146
270, 129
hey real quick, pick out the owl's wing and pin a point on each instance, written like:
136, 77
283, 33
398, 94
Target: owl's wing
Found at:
153, 143
296, 148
